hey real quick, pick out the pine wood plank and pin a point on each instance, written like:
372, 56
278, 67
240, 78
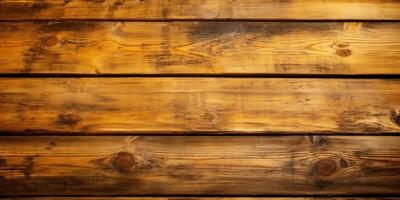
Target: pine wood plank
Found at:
344, 48
188, 105
196, 165
195, 9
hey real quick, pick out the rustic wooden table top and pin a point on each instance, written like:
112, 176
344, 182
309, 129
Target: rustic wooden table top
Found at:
199, 99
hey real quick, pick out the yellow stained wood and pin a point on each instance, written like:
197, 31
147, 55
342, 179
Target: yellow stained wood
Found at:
194, 105
198, 165
200, 9
346, 48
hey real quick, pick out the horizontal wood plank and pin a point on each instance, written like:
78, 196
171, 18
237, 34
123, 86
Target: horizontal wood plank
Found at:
195, 9
188, 105
345, 48
196, 165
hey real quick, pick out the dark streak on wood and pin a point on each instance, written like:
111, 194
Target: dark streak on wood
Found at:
29, 164
68, 26
68, 119
25, 7
199, 10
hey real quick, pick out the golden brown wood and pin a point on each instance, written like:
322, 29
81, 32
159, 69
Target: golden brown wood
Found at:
200, 9
347, 48
187, 105
198, 165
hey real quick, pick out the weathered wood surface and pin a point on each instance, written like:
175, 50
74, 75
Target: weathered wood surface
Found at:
199, 9
200, 198
187, 105
198, 165
200, 48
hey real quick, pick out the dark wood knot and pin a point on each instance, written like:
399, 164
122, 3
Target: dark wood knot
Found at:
119, 2
124, 161
325, 167
343, 52
341, 44
395, 116
51, 41
343, 163
342, 49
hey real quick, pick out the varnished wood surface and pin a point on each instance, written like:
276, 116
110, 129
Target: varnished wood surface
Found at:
186, 105
195, 165
199, 9
158, 137
348, 48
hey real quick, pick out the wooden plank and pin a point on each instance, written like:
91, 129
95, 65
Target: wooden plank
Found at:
195, 165
195, 9
347, 48
187, 105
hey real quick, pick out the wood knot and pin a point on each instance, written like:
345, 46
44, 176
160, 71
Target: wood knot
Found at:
2, 162
119, 2
395, 116
124, 161
341, 44
341, 49
51, 41
208, 117
325, 167
343, 163
343, 52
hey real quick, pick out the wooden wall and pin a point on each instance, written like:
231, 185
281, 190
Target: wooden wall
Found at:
199, 99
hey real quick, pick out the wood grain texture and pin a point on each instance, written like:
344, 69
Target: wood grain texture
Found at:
196, 165
200, 9
188, 105
201, 198
347, 48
